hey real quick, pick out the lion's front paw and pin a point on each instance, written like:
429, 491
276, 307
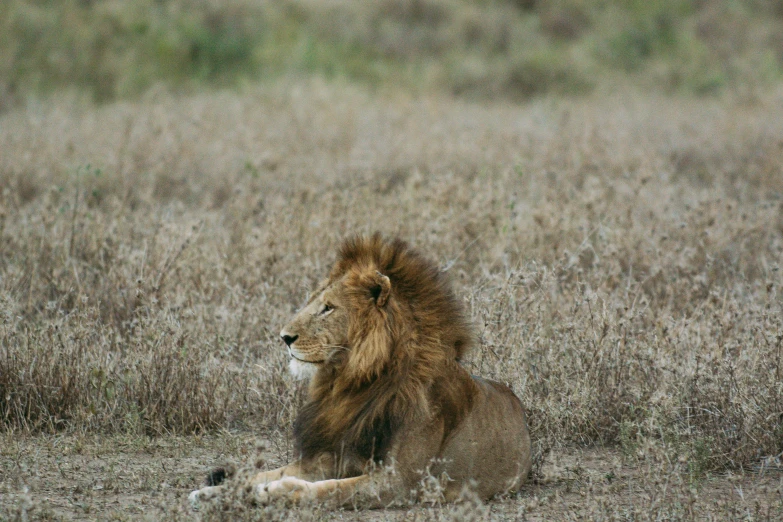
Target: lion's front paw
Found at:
198, 496
195, 500
260, 495
290, 488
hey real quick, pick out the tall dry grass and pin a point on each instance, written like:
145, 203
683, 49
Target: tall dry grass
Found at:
618, 257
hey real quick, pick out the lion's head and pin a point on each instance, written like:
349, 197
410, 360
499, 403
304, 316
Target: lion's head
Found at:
380, 300
318, 331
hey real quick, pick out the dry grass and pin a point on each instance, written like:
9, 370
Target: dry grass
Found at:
619, 258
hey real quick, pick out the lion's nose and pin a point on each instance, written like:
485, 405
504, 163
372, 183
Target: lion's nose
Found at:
288, 339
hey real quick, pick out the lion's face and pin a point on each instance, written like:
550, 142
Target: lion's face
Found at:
317, 331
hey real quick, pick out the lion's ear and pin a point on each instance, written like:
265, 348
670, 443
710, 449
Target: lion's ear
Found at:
381, 289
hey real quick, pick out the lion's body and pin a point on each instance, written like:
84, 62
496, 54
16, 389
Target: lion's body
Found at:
381, 341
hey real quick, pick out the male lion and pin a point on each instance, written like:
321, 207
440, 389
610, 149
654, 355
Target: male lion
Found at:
380, 341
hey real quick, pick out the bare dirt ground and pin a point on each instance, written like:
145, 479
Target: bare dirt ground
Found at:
120, 478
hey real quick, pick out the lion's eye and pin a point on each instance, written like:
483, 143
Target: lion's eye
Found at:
326, 309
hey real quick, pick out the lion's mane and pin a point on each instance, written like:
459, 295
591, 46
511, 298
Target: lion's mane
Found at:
401, 351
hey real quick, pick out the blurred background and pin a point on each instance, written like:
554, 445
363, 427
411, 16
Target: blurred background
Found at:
509, 49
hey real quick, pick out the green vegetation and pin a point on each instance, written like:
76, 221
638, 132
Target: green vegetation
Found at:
502, 48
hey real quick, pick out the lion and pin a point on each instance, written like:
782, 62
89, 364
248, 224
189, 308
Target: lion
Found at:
380, 342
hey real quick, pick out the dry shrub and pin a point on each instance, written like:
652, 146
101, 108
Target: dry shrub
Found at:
704, 381
68, 374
